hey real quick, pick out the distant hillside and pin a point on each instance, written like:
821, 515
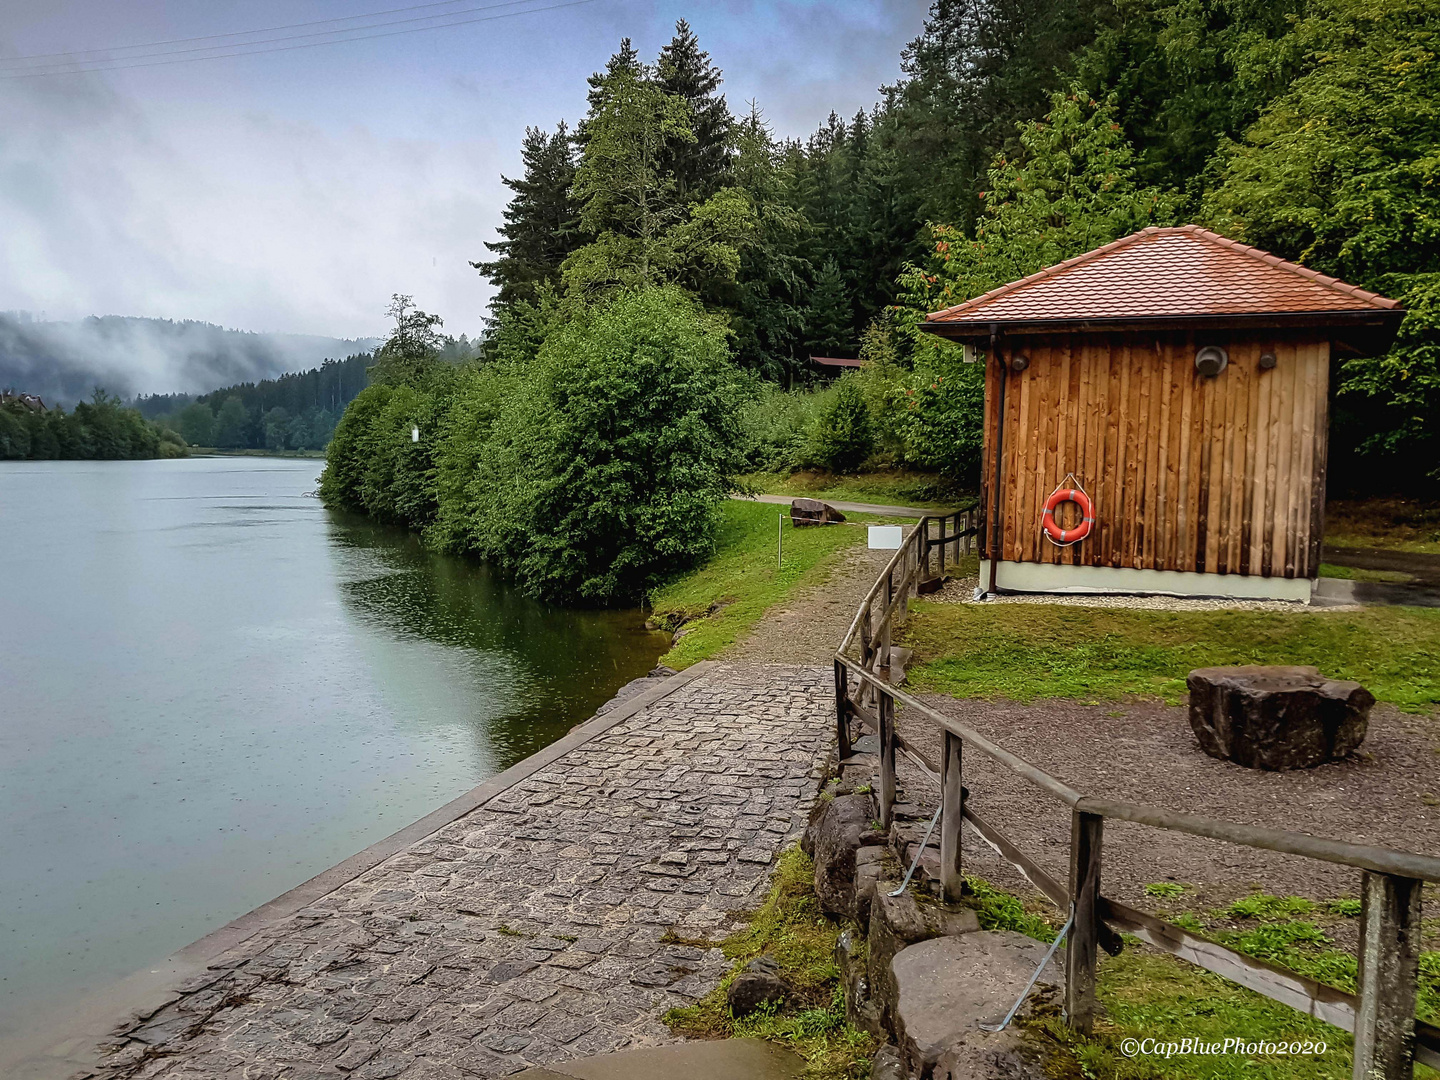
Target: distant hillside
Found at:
64, 362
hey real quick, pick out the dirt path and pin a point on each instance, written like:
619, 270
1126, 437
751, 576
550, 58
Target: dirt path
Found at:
807, 629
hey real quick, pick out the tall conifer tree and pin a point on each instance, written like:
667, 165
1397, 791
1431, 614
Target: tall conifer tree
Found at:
541, 222
702, 166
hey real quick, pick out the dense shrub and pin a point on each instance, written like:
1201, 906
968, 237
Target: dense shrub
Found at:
590, 471
777, 427
351, 450
843, 435
942, 413
605, 467
100, 428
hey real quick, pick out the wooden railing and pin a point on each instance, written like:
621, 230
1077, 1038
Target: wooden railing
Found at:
1388, 1037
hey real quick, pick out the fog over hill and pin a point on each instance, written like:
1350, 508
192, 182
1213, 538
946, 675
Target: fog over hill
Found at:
63, 362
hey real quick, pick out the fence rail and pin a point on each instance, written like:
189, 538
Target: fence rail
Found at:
1388, 1037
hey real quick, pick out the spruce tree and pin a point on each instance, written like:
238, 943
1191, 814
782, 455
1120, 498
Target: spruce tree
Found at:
700, 166
829, 320
541, 222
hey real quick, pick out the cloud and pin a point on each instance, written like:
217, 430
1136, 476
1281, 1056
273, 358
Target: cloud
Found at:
246, 219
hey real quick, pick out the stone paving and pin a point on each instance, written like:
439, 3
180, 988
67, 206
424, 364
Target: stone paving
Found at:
560, 919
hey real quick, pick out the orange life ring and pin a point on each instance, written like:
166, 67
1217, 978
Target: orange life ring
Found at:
1087, 511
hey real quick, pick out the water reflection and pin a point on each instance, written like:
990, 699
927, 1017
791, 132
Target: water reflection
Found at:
550, 666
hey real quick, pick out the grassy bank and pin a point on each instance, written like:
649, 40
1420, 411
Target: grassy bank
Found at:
791, 928
925, 491
1395, 523
215, 451
1149, 994
1028, 651
718, 603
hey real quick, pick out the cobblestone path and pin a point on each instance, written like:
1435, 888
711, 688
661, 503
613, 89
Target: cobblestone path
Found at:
537, 928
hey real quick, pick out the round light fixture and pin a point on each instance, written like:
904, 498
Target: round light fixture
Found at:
1267, 361
1211, 361
1019, 363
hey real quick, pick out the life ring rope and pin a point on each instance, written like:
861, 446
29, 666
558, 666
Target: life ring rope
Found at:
1068, 491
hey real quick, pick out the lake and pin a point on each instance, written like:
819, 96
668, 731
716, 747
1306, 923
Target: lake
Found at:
211, 688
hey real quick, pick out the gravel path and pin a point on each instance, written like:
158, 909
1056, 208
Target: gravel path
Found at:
1387, 795
807, 629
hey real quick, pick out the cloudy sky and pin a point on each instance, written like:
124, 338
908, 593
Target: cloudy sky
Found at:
296, 190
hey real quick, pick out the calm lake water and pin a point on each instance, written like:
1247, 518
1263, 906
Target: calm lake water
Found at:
211, 689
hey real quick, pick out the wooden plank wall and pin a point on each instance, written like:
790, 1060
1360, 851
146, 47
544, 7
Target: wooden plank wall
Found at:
1218, 475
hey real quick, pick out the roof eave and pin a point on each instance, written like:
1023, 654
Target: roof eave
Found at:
1378, 325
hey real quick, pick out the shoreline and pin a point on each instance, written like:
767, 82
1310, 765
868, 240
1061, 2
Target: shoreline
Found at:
67, 1043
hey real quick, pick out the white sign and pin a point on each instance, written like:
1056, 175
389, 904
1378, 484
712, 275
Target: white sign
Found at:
886, 536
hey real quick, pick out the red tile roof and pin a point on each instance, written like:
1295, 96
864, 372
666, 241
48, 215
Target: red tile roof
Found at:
1161, 274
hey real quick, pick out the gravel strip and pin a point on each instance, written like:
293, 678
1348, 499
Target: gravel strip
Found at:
1387, 794
962, 591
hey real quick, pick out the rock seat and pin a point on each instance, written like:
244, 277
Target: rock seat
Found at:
947, 986
813, 512
1265, 717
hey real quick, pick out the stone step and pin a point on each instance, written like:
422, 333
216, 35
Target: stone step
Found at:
946, 987
726, 1059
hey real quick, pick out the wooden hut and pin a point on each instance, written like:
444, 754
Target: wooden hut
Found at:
1178, 382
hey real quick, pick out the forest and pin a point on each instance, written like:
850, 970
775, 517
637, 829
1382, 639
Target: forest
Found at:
101, 428
667, 264
293, 412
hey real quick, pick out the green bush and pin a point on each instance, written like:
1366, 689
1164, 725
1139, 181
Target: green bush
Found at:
843, 435
777, 425
351, 448
100, 428
942, 413
605, 467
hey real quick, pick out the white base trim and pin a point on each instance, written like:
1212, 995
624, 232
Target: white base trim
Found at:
1030, 577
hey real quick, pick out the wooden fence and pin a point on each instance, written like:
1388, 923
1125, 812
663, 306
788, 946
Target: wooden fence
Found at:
1388, 1037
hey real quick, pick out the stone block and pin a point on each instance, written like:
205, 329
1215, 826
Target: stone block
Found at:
946, 987
758, 985
896, 922
840, 828
813, 512
1276, 717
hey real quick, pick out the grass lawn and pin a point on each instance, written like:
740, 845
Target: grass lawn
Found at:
1028, 651
1356, 573
1395, 523
726, 596
925, 491
1148, 994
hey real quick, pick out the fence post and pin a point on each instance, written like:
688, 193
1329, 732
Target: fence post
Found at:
885, 626
925, 551
885, 706
1389, 960
952, 796
842, 710
1086, 831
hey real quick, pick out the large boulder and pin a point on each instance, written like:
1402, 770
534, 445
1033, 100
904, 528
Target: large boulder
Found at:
813, 512
897, 922
840, 828
1276, 717
947, 987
